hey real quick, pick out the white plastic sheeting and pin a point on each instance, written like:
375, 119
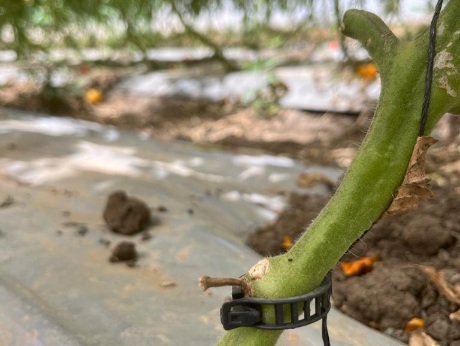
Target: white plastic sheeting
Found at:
57, 286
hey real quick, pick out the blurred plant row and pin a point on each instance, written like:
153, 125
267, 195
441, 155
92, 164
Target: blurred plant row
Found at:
53, 41
28, 26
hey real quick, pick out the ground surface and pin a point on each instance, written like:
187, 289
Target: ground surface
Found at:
385, 298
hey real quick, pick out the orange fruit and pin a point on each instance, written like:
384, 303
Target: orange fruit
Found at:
93, 96
367, 71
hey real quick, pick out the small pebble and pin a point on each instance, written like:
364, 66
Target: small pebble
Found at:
146, 236
167, 284
65, 213
162, 209
8, 201
82, 230
105, 242
125, 251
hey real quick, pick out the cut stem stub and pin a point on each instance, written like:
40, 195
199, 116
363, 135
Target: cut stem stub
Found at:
207, 282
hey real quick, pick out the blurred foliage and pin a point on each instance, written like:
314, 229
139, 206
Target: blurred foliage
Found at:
266, 101
38, 29
28, 25
36, 25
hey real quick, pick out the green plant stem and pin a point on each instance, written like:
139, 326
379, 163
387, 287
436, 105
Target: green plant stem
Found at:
380, 164
377, 38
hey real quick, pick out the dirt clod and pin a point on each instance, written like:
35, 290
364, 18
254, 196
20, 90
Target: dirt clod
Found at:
424, 236
82, 230
454, 331
357, 296
146, 236
162, 209
66, 213
126, 215
439, 329
7, 202
105, 242
125, 251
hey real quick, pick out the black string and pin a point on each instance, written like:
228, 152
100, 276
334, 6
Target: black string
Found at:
325, 333
429, 69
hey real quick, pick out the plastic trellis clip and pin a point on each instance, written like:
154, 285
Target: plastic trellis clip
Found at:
247, 312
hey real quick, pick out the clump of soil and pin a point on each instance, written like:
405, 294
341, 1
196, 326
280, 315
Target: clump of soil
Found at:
423, 236
82, 230
126, 215
387, 297
146, 236
125, 251
7, 202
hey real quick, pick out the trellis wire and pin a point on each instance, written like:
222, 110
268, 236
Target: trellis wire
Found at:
429, 69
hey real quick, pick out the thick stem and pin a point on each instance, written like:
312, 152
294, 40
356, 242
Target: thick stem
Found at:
379, 166
218, 53
374, 35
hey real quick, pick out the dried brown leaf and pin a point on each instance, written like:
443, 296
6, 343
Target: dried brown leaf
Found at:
415, 185
452, 293
422, 339
455, 316
414, 324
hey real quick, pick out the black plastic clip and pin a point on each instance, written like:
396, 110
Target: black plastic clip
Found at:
289, 312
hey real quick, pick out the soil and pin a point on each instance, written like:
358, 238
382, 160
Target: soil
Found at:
126, 215
124, 251
302, 209
396, 290
385, 298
